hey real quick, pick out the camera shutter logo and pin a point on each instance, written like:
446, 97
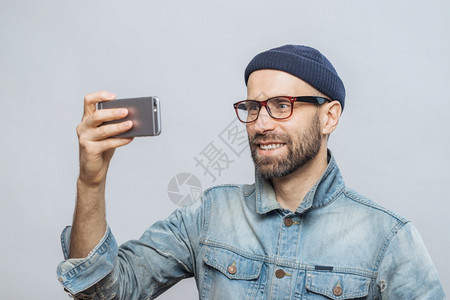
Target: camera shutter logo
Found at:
184, 189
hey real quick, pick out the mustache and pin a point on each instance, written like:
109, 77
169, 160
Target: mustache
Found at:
258, 138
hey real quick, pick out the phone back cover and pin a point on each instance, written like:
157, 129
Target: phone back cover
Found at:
143, 112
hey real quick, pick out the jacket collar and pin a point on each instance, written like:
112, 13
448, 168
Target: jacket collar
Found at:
324, 191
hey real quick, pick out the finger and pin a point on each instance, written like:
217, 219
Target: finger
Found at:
106, 131
90, 100
105, 115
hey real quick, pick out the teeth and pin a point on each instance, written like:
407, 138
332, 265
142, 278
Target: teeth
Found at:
270, 146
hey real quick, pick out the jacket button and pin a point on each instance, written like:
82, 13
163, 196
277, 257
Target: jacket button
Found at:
232, 269
279, 273
337, 291
288, 222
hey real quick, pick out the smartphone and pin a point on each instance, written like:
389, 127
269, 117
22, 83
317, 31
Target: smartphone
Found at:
145, 113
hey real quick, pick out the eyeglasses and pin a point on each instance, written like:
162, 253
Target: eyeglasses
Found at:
279, 108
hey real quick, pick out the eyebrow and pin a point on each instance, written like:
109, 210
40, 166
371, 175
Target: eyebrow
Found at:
264, 96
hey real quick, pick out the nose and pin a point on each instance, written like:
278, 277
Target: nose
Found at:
264, 122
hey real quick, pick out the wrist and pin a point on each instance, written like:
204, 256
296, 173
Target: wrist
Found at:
92, 187
88, 181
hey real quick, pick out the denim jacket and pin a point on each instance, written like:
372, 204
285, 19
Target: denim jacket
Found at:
239, 243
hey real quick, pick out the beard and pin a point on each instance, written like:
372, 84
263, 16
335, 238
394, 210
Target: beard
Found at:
301, 149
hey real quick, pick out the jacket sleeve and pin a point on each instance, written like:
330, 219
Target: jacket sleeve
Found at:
138, 269
406, 270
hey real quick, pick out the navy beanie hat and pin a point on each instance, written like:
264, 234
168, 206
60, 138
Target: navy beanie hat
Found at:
305, 63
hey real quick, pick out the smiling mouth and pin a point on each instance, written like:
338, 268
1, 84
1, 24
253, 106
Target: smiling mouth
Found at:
270, 146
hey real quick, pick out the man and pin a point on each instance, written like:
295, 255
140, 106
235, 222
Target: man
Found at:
297, 233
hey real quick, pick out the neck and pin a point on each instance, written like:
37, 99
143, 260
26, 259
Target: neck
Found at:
290, 190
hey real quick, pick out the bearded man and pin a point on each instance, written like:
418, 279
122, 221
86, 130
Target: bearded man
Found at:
297, 233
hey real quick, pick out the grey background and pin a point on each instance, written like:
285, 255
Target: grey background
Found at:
391, 145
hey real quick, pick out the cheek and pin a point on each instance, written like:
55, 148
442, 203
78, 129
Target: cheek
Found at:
298, 131
302, 123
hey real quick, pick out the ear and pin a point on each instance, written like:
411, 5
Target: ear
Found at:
330, 116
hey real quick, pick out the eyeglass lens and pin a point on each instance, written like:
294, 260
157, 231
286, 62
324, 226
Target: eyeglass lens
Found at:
278, 108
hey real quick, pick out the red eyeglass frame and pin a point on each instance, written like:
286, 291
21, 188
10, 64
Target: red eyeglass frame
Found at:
306, 99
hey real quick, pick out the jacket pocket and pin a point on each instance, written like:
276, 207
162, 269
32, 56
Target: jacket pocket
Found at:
229, 275
335, 285
233, 265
